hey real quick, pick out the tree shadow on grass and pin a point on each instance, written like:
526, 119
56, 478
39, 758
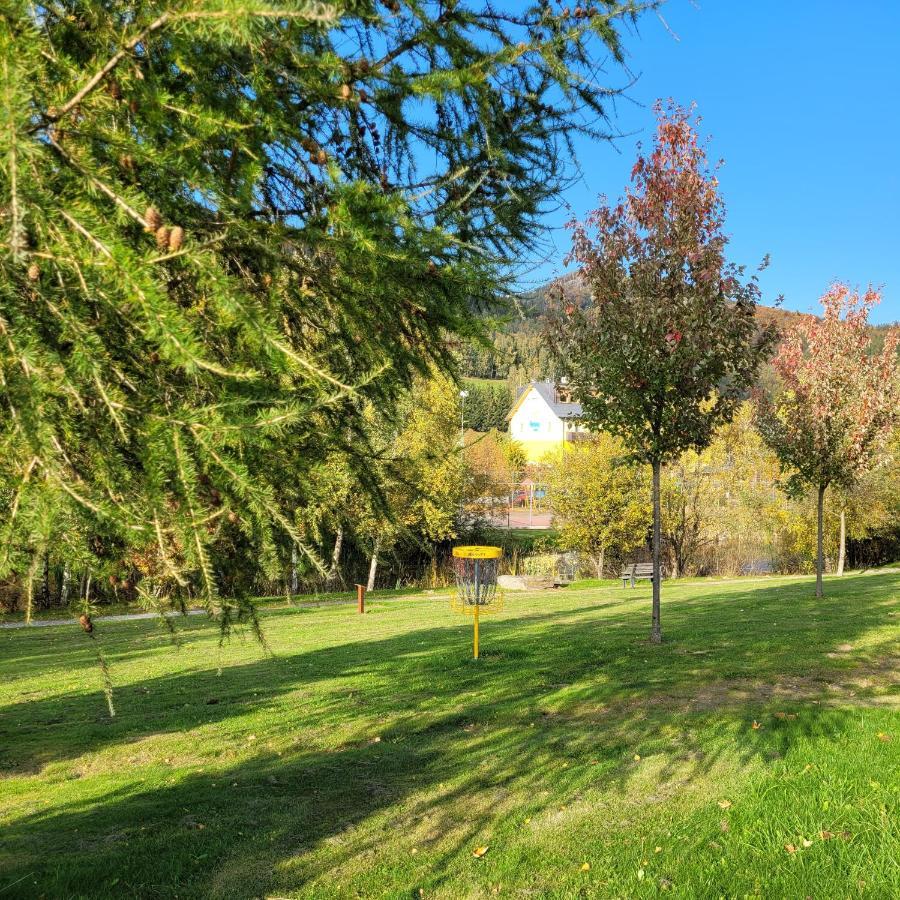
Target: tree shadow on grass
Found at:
566, 657
561, 701
249, 830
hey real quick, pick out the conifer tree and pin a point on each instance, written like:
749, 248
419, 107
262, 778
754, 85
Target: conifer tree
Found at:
228, 225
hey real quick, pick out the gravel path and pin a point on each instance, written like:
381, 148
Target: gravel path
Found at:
124, 617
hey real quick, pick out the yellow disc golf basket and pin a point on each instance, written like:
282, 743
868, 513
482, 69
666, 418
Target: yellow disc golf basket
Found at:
476, 570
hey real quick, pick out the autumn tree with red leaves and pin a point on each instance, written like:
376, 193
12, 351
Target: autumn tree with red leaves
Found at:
667, 343
836, 402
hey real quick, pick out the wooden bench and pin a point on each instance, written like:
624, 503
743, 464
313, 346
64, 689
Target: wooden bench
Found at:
636, 571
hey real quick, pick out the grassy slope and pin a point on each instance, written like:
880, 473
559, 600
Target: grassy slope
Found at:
371, 756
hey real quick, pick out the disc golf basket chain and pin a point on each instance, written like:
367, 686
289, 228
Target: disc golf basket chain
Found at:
477, 594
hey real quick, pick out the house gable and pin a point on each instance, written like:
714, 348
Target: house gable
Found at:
542, 421
533, 418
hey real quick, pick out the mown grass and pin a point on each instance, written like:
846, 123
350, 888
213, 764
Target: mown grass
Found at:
346, 595
370, 755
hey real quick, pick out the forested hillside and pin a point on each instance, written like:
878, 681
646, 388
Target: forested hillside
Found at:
520, 352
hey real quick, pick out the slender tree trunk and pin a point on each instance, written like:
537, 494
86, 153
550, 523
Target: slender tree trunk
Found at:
842, 550
820, 550
64, 586
45, 583
295, 580
335, 571
599, 563
656, 629
373, 565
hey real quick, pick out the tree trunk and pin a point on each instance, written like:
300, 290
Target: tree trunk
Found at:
45, 583
335, 571
842, 550
64, 586
373, 565
820, 551
676, 565
656, 630
599, 563
295, 581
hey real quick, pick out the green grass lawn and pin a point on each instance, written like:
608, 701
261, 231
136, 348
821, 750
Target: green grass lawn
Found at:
370, 756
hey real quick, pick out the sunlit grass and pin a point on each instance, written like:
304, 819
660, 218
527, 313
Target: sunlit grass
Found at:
370, 755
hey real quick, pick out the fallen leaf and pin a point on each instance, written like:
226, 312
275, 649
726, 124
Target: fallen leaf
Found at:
785, 715
725, 804
478, 852
637, 757
724, 825
807, 842
414, 851
658, 850
585, 867
640, 874
527, 819
756, 726
826, 835
790, 848
845, 835
883, 737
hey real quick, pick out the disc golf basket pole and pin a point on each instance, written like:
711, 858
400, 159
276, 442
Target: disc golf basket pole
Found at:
475, 570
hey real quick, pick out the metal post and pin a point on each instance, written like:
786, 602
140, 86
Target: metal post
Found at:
477, 601
361, 598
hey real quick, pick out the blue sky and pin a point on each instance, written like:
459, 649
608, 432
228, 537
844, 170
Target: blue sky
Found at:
802, 100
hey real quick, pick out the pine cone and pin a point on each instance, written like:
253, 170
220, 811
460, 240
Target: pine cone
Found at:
345, 91
321, 157
152, 218
162, 237
114, 89
34, 272
176, 238
86, 623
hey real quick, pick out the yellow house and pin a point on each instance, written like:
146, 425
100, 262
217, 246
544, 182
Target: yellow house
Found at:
544, 419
